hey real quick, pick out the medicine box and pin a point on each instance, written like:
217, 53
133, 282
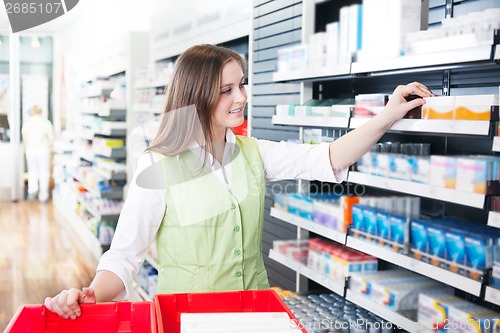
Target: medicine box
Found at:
474, 107
472, 318
433, 310
419, 242
443, 171
439, 107
368, 105
455, 249
436, 237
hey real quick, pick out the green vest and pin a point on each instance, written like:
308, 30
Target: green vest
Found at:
210, 238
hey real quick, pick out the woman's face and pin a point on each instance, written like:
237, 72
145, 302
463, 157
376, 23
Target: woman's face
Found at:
228, 111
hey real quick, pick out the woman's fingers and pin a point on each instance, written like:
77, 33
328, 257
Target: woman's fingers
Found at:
65, 304
416, 88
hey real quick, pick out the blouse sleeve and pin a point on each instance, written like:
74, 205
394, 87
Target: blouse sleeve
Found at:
284, 160
139, 221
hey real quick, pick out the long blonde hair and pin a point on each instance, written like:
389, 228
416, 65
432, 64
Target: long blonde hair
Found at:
192, 95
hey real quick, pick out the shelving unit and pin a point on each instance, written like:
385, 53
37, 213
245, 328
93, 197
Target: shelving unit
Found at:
102, 120
333, 285
470, 199
454, 71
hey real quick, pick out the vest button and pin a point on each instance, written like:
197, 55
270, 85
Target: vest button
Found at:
237, 273
233, 206
237, 252
236, 228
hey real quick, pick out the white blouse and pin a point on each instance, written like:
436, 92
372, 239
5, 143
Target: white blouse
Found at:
145, 206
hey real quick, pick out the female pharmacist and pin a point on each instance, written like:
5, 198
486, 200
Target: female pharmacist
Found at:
199, 189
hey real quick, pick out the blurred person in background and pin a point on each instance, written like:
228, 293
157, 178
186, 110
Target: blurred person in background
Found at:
38, 136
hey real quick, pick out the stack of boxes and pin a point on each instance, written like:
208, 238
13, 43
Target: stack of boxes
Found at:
444, 312
395, 289
464, 248
385, 220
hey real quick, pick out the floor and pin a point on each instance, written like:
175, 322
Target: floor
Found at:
38, 256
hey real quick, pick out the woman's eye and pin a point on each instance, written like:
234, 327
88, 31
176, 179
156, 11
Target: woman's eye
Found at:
226, 91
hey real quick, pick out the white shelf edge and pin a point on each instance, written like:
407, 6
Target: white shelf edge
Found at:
429, 59
312, 73
452, 279
298, 221
496, 143
465, 127
334, 286
494, 219
497, 53
469, 199
492, 295
382, 311
332, 122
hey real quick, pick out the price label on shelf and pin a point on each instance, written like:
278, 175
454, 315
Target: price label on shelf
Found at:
494, 219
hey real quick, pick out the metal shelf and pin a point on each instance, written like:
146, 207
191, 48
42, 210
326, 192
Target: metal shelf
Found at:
446, 58
470, 199
334, 286
329, 233
494, 219
463, 127
492, 295
313, 73
400, 319
331, 122
447, 277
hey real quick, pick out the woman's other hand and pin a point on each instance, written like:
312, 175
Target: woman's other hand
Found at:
66, 303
